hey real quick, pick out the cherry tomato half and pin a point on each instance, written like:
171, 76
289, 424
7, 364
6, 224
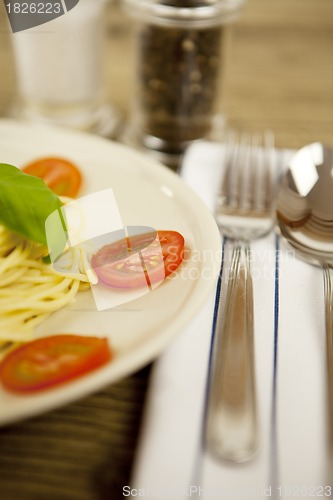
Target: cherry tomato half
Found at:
51, 361
60, 175
149, 262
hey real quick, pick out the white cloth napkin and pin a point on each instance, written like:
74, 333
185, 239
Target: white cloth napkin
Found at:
292, 461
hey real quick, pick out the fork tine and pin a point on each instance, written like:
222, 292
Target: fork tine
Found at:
261, 179
269, 164
252, 175
263, 161
225, 192
259, 167
241, 170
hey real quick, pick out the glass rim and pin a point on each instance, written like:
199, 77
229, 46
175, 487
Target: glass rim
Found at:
221, 11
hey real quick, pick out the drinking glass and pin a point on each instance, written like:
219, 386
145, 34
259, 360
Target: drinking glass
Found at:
59, 68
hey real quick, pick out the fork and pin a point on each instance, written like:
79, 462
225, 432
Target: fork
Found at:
244, 212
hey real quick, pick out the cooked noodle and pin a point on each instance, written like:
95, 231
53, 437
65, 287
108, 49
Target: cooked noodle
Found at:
31, 290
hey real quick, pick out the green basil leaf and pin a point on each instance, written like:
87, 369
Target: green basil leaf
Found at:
25, 203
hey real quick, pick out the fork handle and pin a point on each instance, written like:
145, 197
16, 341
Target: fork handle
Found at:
231, 431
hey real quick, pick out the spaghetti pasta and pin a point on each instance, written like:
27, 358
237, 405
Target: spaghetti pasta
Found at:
31, 290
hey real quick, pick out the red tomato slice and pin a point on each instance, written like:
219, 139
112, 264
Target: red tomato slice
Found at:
51, 361
149, 261
60, 175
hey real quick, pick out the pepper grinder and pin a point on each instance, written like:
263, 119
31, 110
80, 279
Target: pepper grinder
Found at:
179, 68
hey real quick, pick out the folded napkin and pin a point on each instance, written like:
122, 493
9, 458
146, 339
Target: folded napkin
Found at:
292, 460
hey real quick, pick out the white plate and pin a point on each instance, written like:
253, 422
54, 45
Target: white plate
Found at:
147, 194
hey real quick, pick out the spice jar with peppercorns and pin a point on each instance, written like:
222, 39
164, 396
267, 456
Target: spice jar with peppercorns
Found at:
179, 69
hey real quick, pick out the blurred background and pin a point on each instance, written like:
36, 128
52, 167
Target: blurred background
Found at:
279, 76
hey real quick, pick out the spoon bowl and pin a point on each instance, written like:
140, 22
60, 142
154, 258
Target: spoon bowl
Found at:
305, 204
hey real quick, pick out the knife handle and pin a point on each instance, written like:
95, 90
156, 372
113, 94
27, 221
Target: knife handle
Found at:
231, 430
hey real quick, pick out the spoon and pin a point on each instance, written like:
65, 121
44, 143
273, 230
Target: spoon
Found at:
305, 216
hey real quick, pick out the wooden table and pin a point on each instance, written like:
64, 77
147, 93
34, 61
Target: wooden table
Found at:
280, 77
